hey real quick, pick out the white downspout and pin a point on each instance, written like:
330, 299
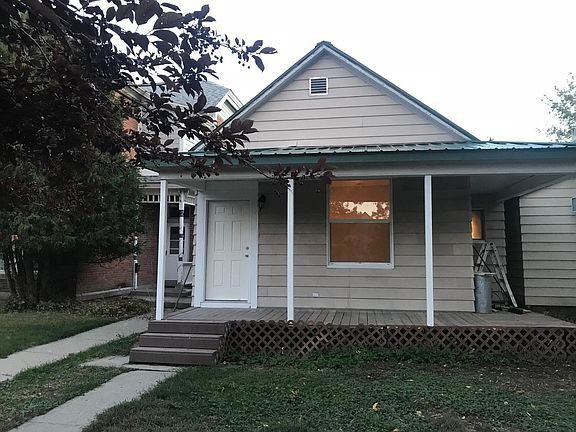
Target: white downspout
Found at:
162, 225
429, 251
290, 250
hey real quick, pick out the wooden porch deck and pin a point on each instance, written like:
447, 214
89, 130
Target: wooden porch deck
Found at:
371, 317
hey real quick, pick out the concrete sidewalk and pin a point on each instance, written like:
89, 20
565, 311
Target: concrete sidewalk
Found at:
77, 413
42, 354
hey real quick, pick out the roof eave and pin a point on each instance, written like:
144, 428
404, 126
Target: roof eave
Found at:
418, 156
392, 157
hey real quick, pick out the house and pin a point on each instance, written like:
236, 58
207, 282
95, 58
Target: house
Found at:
389, 242
350, 252
102, 279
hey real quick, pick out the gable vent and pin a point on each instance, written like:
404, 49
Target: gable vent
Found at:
318, 86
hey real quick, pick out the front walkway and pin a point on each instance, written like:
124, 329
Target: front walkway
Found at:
349, 317
51, 352
77, 413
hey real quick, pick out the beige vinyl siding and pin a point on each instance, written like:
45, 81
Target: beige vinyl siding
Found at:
495, 231
549, 245
400, 288
353, 112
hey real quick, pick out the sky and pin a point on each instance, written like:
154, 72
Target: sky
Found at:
486, 65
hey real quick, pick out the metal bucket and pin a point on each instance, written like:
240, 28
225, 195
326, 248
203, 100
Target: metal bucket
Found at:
483, 292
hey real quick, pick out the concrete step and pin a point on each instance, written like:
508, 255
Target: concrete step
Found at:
179, 340
186, 327
173, 356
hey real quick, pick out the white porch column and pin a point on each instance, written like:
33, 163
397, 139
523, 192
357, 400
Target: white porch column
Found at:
290, 250
181, 238
429, 251
162, 226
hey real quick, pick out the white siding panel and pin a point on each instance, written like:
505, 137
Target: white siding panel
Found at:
549, 245
353, 112
401, 288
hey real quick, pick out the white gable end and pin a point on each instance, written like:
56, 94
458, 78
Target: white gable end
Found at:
352, 112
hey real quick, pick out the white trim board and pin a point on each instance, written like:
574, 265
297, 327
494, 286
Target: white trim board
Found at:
225, 191
413, 169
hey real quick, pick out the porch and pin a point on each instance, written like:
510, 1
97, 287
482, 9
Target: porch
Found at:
340, 317
207, 335
384, 236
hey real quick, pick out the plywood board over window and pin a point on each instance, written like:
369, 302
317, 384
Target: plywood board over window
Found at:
360, 223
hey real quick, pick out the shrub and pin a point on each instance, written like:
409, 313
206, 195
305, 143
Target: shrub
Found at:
115, 307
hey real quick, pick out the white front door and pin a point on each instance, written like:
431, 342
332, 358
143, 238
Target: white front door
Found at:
228, 251
173, 240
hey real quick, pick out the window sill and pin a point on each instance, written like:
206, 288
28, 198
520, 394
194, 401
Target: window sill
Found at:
350, 265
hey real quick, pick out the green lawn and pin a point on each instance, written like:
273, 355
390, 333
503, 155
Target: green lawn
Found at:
36, 391
356, 392
21, 330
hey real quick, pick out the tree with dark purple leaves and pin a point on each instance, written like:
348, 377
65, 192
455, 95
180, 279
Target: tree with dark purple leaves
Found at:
70, 72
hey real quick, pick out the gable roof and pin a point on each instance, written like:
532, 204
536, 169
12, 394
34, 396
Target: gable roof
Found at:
323, 48
214, 93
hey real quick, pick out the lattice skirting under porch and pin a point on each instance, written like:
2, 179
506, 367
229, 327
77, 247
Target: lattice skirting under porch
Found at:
300, 338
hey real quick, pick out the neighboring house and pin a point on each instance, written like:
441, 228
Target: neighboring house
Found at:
393, 230
98, 279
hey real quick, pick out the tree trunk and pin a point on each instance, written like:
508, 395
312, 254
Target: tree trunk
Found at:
30, 277
43, 270
50, 276
9, 275
21, 277
58, 276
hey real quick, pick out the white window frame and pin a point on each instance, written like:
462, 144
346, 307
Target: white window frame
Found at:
356, 265
310, 86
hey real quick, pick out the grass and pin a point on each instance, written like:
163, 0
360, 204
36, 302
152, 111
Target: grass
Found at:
21, 330
53, 321
36, 391
356, 391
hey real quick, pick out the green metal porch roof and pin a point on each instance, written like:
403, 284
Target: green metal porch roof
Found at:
382, 153
378, 148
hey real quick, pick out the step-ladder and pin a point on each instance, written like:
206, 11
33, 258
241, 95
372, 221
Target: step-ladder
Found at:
489, 261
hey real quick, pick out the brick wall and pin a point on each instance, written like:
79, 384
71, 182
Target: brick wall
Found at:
118, 273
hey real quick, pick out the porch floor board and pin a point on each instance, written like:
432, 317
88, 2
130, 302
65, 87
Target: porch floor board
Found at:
375, 317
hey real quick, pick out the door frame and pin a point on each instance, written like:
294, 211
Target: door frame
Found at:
225, 191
